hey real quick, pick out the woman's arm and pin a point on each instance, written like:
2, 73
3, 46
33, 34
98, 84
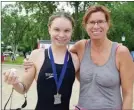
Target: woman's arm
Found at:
79, 48
126, 69
76, 65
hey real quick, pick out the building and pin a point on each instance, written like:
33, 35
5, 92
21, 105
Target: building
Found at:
47, 43
43, 43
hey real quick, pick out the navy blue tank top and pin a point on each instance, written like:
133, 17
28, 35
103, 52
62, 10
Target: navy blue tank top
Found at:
46, 87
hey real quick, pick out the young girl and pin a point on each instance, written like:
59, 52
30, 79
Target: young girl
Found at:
54, 68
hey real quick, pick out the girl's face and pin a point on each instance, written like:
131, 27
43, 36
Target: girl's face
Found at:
97, 26
60, 31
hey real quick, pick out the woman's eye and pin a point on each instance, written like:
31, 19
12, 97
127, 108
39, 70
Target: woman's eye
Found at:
91, 22
67, 30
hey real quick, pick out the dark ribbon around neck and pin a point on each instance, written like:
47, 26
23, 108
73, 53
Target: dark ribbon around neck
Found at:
58, 82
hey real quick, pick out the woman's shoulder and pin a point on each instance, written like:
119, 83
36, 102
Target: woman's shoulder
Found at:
79, 45
121, 49
123, 52
81, 42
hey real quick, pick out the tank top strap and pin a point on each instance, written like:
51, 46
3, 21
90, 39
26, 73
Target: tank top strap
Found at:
112, 57
87, 49
113, 50
112, 54
46, 54
88, 42
70, 57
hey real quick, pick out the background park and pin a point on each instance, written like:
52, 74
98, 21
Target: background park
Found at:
23, 24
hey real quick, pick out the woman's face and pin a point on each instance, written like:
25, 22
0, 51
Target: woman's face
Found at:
97, 26
60, 31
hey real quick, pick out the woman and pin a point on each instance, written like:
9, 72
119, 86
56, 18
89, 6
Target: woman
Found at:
104, 65
54, 68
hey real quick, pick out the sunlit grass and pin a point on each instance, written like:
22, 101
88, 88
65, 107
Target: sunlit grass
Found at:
18, 61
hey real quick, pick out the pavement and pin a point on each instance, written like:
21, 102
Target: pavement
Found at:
18, 99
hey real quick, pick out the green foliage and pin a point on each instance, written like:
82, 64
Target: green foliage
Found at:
23, 30
122, 19
13, 27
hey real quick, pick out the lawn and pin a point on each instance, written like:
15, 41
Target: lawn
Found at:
18, 61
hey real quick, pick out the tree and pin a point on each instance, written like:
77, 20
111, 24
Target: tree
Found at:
38, 14
13, 26
32, 25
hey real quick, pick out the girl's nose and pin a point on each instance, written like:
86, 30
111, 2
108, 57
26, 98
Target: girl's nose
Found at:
61, 34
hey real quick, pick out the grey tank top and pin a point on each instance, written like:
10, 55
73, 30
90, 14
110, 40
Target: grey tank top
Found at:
99, 85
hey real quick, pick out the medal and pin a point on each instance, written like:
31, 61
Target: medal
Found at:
57, 97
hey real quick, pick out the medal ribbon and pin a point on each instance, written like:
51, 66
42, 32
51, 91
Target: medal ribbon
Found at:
58, 83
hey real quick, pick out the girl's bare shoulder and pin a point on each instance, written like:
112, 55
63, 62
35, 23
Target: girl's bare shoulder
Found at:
37, 53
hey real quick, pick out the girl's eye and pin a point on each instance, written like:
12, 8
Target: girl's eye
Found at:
56, 29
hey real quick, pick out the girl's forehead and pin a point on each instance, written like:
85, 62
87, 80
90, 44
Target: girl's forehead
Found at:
61, 21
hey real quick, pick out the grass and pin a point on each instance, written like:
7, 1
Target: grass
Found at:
18, 61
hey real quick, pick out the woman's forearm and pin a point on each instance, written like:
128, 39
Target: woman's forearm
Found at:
128, 102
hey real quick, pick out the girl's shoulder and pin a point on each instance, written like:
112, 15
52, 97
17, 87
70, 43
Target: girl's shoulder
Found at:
37, 51
36, 54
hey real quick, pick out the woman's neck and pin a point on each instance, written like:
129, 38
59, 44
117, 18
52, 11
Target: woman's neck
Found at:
101, 45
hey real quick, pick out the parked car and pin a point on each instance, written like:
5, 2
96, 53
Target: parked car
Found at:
132, 54
7, 53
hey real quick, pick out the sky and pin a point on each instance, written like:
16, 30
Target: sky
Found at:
6, 3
